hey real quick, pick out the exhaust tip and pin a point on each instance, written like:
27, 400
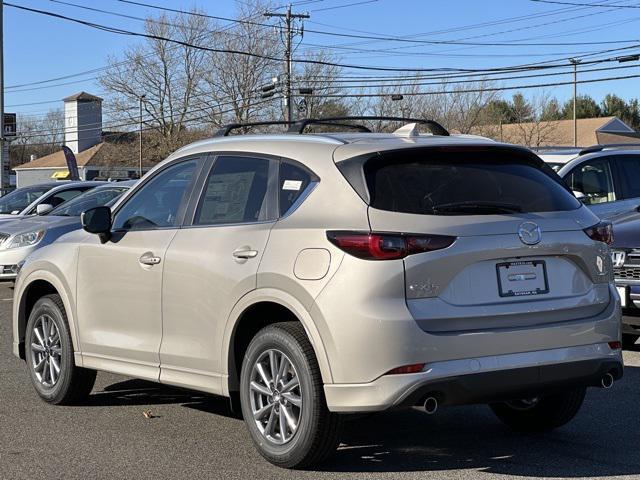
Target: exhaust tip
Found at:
607, 381
431, 405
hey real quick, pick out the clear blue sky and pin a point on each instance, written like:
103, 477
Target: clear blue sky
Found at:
40, 48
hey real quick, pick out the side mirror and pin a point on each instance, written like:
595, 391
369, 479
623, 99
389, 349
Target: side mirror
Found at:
43, 209
97, 220
579, 195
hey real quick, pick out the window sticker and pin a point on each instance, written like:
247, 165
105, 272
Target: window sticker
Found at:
292, 185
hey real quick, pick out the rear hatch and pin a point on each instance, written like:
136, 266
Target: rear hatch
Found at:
519, 255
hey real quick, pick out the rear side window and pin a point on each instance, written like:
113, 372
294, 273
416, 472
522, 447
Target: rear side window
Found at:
463, 183
629, 168
293, 181
235, 192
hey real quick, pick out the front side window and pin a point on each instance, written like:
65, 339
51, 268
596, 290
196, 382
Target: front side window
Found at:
60, 197
94, 198
592, 182
234, 192
157, 203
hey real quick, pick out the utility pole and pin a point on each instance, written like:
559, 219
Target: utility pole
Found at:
289, 18
140, 98
4, 172
575, 63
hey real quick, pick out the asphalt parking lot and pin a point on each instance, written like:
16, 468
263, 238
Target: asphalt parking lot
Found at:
194, 436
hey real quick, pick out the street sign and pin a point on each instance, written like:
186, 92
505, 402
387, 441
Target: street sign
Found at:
9, 124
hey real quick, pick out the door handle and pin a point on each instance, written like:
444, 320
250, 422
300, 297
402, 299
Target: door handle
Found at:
245, 253
149, 259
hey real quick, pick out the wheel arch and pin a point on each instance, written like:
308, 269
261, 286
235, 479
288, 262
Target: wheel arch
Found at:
32, 288
255, 311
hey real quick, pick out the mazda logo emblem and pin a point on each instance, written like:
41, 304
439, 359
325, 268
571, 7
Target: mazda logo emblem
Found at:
529, 233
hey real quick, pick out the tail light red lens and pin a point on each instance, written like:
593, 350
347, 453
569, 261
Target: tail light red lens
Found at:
415, 368
615, 345
387, 246
601, 232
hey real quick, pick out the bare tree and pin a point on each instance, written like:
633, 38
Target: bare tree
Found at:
232, 83
167, 74
37, 136
324, 80
529, 128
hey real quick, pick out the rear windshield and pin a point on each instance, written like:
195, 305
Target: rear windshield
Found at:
463, 183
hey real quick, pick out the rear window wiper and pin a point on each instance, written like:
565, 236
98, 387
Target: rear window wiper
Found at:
476, 207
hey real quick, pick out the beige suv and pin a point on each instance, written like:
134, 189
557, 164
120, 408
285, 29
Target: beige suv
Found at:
312, 276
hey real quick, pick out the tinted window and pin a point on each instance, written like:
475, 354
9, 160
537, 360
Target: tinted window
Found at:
629, 166
97, 197
61, 197
21, 198
235, 192
158, 202
592, 180
463, 183
293, 181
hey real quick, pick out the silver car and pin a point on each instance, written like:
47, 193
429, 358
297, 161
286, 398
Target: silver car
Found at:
606, 178
308, 277
40, 199
22, 236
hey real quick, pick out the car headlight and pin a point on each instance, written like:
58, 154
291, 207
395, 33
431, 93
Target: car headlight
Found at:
25, 239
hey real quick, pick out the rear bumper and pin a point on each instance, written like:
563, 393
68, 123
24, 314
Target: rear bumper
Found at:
481, 380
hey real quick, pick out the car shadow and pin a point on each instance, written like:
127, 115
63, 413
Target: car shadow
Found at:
598, 443
142, 392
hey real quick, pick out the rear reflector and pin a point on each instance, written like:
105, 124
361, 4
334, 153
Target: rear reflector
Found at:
415, 368
387, 246
615, 345
601, 232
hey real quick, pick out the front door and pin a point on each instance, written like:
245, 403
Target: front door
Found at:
211, 264
120, 282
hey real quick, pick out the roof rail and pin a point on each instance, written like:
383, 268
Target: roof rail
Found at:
600, 147
300, 125
228, 128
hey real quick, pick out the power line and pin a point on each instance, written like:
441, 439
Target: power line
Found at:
585, 4
477, 90
356, 36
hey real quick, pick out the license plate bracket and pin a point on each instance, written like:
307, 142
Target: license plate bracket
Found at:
522, 278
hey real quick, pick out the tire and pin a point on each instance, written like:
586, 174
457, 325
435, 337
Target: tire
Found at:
317, 434
68, 385
545, 414
628, 341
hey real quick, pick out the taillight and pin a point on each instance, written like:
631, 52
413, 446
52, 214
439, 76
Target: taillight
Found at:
387, 246
601, 232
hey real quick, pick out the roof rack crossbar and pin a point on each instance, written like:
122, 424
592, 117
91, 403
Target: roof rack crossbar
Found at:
321, 121
225, 130
300, 125
602, 146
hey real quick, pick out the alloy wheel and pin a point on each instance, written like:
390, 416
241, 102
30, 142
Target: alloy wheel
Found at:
46, 351
276, 397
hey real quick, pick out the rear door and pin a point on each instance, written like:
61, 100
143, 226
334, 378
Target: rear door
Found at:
520, 255
212, 262
628, 172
